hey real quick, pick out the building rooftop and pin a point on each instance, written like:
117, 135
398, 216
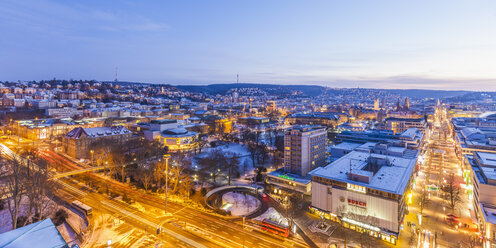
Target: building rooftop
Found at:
392, 176
289, 176
178, 133
42, 234
305, 128
97, 132
347, 146
486, 158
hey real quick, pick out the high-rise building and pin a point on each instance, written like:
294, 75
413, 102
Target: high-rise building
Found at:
406, 106
383, 103
304, 149
376, 104
271, 106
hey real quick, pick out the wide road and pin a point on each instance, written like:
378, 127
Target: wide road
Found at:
171, 234
220, 231
439, 163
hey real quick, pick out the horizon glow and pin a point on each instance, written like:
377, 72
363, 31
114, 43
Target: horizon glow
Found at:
424, 44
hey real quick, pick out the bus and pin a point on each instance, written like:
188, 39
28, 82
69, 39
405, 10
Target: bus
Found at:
274, 227
85, 209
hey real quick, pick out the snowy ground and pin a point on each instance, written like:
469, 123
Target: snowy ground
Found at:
241, 204
272, 214
74, 224
245, 162
6, 220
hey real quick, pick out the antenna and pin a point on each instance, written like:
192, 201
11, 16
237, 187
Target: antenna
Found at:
116, 72
237, 78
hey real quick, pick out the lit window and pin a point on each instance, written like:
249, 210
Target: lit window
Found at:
357, 188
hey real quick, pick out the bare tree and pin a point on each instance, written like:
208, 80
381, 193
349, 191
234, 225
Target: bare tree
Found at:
119, 159
177, 170
471, 242
211, 165
15, 187
294, 206
145, 176
278, 159
254, 152
453, 192
38, 185
186, 186
232, 162
423, 200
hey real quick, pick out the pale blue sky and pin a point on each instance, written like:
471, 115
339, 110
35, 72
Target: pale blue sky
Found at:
384, 44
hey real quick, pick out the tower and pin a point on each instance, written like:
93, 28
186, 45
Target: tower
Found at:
376, 104
407, 104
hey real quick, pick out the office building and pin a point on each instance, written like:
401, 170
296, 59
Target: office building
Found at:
304, 150
366, 191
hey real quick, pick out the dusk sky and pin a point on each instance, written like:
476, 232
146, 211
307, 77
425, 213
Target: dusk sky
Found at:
381, 44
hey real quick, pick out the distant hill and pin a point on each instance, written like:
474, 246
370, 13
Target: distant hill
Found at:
315, 90
307, 90
417, 93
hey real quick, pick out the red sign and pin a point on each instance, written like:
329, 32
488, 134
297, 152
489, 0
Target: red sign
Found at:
357, 203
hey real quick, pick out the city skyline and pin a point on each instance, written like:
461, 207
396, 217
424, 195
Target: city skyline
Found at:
431, 45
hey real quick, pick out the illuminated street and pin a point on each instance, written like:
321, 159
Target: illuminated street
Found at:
233, 124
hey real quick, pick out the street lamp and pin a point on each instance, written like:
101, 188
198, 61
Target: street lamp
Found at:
166, 157
91, 151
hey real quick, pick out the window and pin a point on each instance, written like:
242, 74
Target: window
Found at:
357, 188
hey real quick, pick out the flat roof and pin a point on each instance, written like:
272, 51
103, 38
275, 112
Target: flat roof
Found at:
289, 176
39, 234
391, 178
487, 159
346, 145
489, 213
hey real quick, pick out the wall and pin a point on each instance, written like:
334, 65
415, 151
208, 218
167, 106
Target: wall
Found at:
383, 212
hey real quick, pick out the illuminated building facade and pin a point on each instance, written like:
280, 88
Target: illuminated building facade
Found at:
399, 125
218, 124
304, 150
46, 129
482, 180
367, 191
179, 139
77, 143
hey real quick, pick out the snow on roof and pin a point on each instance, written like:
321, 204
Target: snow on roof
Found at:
347, 145
368, 145
178, 133
487, 159
97, 131
411, 132
289, 176
40, 234
469, 131
396, 149
390, 178
489, 213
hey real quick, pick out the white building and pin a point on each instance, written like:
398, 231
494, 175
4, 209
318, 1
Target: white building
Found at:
365, 190
483, 171
63, 112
